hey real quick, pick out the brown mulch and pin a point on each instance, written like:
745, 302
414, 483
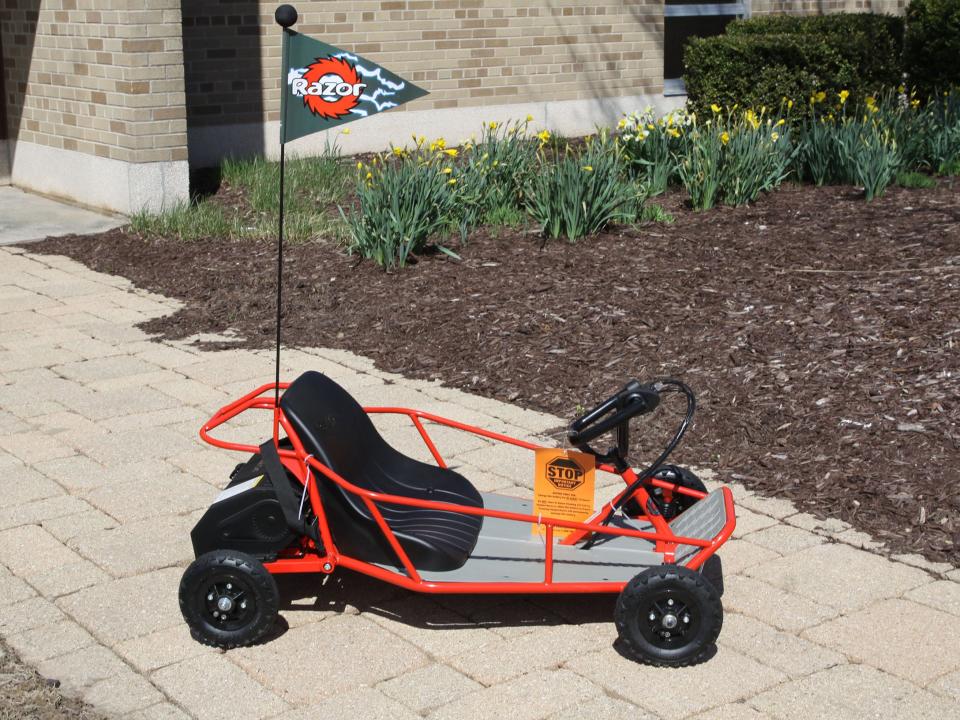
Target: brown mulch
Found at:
24, 695
817, 329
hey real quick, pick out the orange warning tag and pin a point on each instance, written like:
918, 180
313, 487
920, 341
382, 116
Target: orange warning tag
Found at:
563, 488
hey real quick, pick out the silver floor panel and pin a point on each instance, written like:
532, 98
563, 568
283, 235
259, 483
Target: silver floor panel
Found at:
508, 551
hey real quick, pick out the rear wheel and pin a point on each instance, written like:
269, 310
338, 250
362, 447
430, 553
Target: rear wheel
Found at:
228, 599
669, 616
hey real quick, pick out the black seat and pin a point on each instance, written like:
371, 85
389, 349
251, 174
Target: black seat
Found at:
335, 429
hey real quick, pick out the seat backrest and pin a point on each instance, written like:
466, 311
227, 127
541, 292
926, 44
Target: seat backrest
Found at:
335, 429
332, 426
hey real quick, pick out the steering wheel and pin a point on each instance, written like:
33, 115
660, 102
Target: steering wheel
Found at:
614, 412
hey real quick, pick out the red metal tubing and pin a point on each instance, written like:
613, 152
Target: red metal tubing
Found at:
486, 512
298, 461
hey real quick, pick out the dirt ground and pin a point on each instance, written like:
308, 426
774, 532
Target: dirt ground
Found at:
24, 695
818, 331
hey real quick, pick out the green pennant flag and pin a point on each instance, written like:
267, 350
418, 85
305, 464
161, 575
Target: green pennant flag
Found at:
325, 86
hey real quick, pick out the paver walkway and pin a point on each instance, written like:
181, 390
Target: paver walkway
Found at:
102, 476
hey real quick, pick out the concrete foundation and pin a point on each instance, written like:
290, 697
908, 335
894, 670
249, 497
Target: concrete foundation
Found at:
4, 162
99, 182
209, 144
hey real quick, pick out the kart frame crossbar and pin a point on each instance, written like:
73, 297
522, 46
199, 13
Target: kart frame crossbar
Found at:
308, 557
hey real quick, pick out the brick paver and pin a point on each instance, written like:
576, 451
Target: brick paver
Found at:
102, 476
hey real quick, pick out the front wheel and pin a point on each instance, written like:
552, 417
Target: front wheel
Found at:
669, 616
228, 599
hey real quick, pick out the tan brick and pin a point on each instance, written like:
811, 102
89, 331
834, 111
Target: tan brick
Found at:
851, 692
911, 641
348, 651
528, 697
214, 688
839, 576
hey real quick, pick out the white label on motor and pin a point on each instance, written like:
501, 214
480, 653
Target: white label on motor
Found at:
237, 489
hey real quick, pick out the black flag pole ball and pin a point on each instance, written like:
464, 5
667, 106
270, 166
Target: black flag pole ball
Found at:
286, 15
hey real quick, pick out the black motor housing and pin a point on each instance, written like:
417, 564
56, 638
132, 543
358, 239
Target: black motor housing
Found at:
246, 516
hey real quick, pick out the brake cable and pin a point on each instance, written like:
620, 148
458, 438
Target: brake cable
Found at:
667, 385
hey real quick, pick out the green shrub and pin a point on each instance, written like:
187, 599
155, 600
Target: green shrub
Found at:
761, 61
581, 193
932, 45
405, 200
870, 42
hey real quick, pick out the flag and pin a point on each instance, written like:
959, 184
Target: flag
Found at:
324, 86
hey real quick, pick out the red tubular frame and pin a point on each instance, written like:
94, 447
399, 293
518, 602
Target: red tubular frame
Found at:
306, 557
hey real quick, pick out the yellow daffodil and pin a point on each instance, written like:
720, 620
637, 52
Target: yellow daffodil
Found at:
751, 117
398, 151
369, 176
902, 89
493, 125
622, 124
725, 137
447, 171
452, 181
651, 126
844, 94
359, 166
345, 131
914, 103
588, 168
789, 104
452, 152
775, 136
543, 136
529, 118
780, 122
716, 108
673, 132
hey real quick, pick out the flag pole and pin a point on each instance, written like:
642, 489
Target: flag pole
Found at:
286, 16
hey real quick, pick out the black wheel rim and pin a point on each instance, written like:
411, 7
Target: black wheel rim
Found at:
670, 619
227, 602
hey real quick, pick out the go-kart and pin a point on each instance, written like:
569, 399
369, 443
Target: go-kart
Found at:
327, 491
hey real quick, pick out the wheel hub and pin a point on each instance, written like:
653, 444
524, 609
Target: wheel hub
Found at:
229, 603
668, 619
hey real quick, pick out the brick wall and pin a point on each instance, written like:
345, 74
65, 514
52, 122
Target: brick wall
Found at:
466, 52
805, 7
101, 77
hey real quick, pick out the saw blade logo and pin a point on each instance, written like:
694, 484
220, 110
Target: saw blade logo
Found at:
330, 87
335, 86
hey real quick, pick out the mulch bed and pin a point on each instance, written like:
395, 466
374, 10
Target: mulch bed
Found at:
24, 695
817, 329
